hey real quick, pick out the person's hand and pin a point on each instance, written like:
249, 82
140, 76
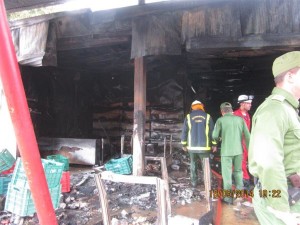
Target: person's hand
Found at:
214, 148
184, 148
286, 217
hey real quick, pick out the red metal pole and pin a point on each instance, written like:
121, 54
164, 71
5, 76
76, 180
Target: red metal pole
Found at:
19, 112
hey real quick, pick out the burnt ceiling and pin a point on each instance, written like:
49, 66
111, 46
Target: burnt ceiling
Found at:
216, 48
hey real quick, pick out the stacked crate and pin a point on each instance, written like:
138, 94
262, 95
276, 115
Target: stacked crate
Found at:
120, 166
19, 200
65, 178
6, 168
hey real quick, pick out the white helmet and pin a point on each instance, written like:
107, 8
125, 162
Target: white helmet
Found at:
245, 98
196, 102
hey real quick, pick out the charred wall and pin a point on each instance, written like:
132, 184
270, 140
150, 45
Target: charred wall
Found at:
68, 104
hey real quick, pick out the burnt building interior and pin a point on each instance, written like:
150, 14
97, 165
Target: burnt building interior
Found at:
212, 51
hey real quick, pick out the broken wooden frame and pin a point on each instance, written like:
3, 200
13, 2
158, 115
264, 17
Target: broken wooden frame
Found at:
160, 193
165, 177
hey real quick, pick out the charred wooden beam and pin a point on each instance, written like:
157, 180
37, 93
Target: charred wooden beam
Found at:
154, 8
38, 19
88, 41
139, 116
249, 42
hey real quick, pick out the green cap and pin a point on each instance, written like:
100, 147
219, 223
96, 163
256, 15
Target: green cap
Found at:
225, 105
286, 62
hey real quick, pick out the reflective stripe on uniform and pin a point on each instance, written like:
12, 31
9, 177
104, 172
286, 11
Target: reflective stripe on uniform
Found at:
190, 128
198, 148
206, 130
207, 147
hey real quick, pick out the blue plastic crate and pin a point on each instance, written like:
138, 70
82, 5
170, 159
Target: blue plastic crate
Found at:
61, 159
4, 181
19, 201
6, 160
53, 171
121, 166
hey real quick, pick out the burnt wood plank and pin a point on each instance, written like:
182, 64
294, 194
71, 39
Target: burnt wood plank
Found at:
156, 34
269, 16
222, 20
153, 8
248, 42
89, 41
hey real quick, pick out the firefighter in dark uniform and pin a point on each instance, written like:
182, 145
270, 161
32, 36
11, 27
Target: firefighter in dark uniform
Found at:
196, 140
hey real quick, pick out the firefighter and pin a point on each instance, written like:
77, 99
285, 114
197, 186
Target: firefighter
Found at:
196, 140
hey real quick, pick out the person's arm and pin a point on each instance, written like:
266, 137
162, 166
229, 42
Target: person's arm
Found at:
216, 132
266, 154
211, 128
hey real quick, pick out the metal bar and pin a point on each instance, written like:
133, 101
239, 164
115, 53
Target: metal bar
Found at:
171, 142
122, 145
165, 146
102, 151
19, 112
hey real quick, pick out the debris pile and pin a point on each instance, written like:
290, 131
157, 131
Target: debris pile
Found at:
128, 203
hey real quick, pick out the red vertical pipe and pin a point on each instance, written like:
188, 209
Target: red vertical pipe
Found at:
19, 112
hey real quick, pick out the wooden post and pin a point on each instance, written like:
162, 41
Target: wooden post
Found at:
103, 200
139, 117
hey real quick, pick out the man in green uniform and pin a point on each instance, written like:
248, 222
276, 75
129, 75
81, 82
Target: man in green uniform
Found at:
274, 151
230, 129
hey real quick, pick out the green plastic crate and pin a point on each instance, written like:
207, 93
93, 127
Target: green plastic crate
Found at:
53, 171
121, 166
19, 200
4, 180
6, 160
61, 159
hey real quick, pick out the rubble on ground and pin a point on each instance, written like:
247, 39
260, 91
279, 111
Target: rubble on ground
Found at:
130, 204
